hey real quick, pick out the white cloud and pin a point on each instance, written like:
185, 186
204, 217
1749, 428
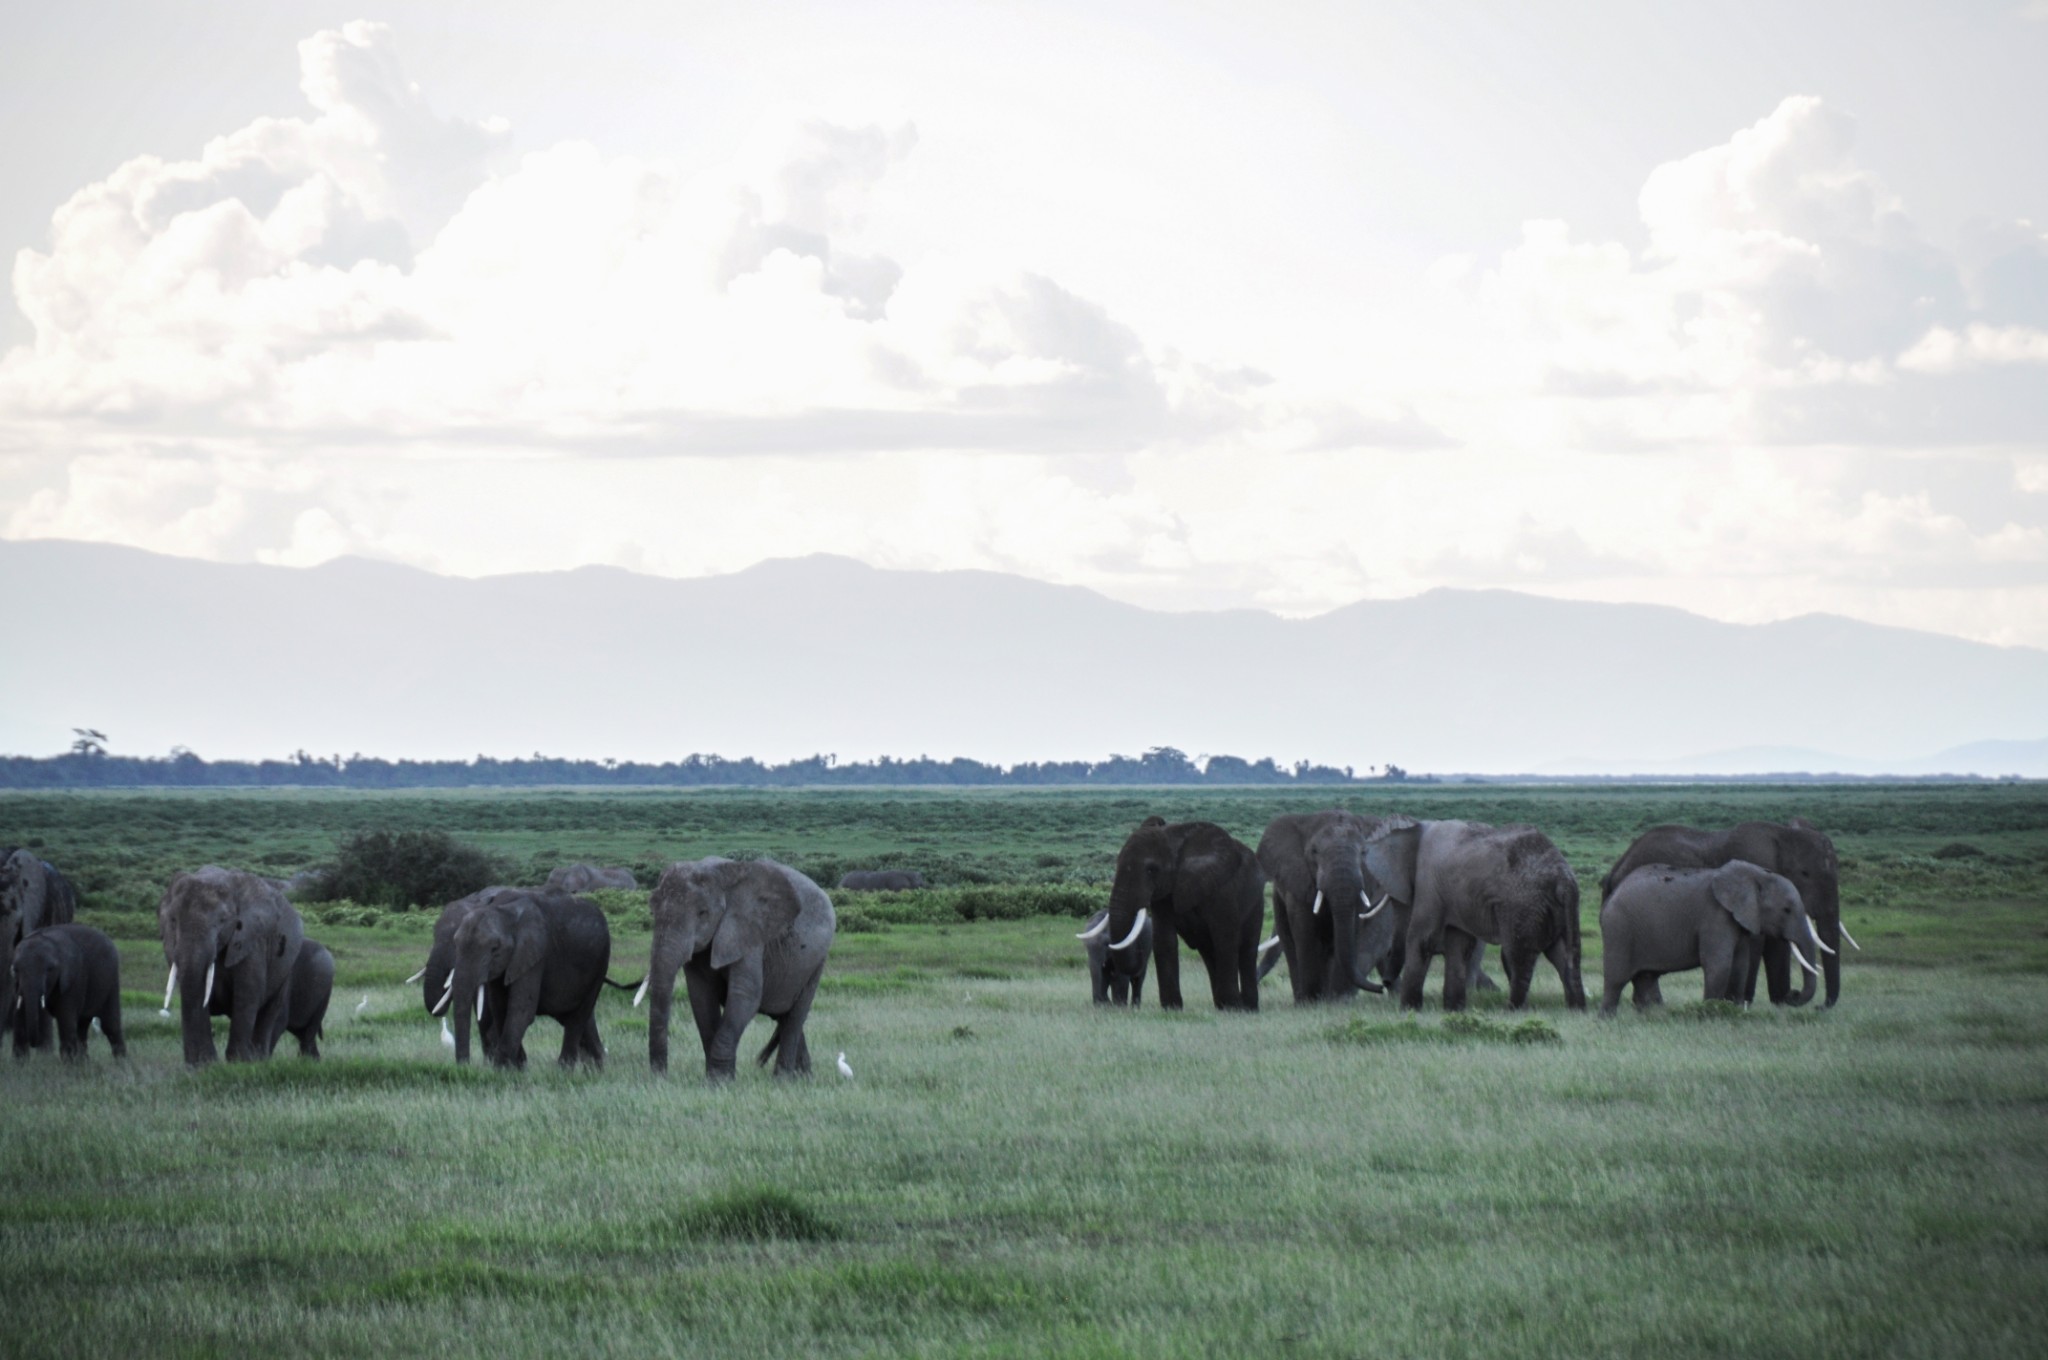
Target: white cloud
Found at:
1942, 350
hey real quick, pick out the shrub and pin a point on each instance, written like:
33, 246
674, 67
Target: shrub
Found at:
1959, 850
401, 869
1016, 901
854, 921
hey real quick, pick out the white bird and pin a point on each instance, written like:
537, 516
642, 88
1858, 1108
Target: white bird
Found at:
362, 1005
447, 1034
845, 1069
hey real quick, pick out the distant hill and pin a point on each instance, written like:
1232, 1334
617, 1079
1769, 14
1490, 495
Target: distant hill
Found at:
826, 655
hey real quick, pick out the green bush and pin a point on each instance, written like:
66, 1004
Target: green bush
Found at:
401, 869
1017, 901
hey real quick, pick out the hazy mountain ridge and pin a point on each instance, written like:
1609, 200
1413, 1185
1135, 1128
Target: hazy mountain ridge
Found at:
810, 655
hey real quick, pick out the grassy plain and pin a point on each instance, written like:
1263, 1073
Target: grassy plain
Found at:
1013, 1172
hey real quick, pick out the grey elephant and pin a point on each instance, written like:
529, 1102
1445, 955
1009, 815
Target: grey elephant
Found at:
1796, 850
224, 929
434, 976
1473, 884
750, 937
32, 895
581, 878
1116, 976
526, 954
881, 880
1662, 919
70, 974
1195, 882
1330, 929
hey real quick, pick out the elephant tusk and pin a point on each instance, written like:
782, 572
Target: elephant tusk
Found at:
479, 1005
1317, 909
1136, 926
1368, 915
1847, 936
442, 1004
1099, 927
208, 1001
1264, 945
415, 977
641, 995
170, 987
1819, 943
1802, 959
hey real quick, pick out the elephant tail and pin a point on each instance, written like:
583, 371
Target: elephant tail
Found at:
634, 985
768, 1049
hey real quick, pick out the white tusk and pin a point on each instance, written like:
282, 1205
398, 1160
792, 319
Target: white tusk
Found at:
208, 1000
1847, 936
170, 987
641, 995
1818, 942
1100, 926
415, 977
1264, 945
1136, 926
479, 1005
442, 1004
1802, 959
1368, 915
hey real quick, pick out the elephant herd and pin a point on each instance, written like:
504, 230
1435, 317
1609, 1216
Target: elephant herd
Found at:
1356, 895
1353, 897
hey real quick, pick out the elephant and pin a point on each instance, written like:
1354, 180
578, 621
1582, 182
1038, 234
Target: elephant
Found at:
581, 878
523, 954
232, 930
1469, 884
881, 880
1314, 859
312, 989
72, 974
32, 895
1796, 850
440, 966
750, 938
1662, 919
1193, 881
1116, 975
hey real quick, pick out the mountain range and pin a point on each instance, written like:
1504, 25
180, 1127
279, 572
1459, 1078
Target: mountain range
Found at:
823, 654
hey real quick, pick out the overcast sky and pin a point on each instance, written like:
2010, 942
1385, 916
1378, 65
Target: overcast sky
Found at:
1736, 306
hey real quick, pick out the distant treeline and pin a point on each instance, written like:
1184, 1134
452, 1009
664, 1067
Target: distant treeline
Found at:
183, 769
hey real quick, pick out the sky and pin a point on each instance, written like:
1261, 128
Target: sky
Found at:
1740, 307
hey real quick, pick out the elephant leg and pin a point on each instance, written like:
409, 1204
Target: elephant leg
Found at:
1457, 947
70, 1044
1830, 964
309, 1044
1137, 989
593, 1042
1099, 983
707, 1003
1414, 973
1560, 956
1119, 990
1612, 981
249, 1022
1777, 971
1309, 969
1521, 971
1479, 979
792, 1050
1647, 992
1222, 971
110, 1025
742, 1004
1283, 918
1166, 963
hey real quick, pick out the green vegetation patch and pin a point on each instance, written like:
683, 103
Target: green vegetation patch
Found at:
1461, 1027
752, 1214
356, 1074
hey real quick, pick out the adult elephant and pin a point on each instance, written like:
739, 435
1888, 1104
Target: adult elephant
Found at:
1194, 882
1796, 850
1329, 927
881, 880
70, 974
1662, 919
582, 878
1474, 884
1116, 976
226, 929
750, 937
32, 895
527, 954
439, 969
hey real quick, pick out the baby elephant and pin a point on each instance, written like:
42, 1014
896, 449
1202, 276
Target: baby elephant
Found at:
1116, 969
1662, 919
71, 974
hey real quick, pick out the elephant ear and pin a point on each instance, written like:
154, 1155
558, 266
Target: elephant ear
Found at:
760, 904
530, 944
1736, 893
240, 942
1390, 859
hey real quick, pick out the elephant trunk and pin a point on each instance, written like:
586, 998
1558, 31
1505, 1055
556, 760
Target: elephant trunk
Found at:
197, 978
462, 988
25, 1007
1799, 939
1125, 910
1829, 914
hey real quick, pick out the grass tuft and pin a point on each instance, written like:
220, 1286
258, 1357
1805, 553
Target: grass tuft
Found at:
1459, 1028
355, 1074
755, 1214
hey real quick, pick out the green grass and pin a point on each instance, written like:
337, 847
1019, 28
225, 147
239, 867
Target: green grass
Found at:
1015, 1172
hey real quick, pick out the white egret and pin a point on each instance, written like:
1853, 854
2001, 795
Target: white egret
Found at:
447, 1034
362, 1005
845, 1068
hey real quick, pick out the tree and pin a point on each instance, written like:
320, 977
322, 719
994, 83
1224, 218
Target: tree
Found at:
91, 742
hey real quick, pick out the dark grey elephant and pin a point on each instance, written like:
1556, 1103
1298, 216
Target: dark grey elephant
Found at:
1194, 882
750, 937
527, 954
1116, 976
881, 880
434, 976
32, 895
1473, 884
223, 929
1662, 920
70, 974
1330, 929
1796, 850
581, 878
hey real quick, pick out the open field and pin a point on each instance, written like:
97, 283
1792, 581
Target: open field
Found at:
1014, 1172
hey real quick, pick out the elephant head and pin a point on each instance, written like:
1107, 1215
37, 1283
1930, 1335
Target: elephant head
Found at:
1144, 875
1767, 905
730, 907
214, 922
1806, 857
440, 966
498, 952
21, 905
35, 973
1390, 857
